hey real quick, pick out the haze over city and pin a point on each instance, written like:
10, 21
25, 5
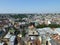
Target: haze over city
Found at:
29, 6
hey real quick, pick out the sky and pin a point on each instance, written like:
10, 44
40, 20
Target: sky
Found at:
29, 6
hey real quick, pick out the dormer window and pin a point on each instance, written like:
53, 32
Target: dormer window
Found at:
33, 32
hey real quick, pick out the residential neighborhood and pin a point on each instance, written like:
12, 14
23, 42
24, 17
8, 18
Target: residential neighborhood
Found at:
25, 29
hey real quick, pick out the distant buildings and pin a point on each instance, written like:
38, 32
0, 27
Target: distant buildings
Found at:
27, 25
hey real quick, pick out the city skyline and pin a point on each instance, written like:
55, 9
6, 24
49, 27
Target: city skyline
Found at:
29, 6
